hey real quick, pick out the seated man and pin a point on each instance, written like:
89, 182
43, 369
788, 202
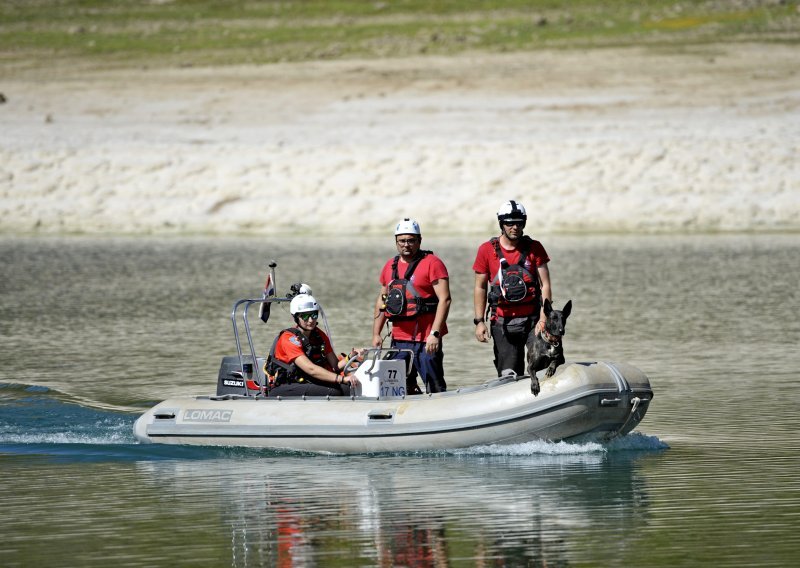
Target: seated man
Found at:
302, 360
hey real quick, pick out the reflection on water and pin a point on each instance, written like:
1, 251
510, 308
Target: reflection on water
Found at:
89, 326
409, 510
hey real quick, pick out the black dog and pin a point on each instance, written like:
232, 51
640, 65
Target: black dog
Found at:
547, 349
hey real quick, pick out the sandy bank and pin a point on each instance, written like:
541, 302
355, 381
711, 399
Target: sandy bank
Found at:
602, 140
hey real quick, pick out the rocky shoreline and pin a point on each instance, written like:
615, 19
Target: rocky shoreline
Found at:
603, 140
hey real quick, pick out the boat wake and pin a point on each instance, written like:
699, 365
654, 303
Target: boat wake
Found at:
39, 415
43, 423
635, 441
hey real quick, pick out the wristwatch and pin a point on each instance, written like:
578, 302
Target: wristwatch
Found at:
476, 321
435, 334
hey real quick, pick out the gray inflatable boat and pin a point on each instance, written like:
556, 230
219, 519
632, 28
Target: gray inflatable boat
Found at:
597, 400
591, 400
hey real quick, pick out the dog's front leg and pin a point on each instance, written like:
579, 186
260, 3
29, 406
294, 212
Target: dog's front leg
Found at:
534, 384
532, 360
555, 363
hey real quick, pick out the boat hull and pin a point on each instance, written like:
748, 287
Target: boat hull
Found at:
597, 400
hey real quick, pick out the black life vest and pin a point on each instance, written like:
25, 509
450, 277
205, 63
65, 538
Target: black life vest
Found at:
402, 299
279, 372
514, 284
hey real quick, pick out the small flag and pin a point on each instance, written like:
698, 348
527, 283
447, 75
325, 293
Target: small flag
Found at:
269, 291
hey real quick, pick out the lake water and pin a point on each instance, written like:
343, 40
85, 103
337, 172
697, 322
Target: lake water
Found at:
93, 331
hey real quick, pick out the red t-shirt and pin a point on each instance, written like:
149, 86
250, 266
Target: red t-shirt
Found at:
429, 270
290, 348
486, 262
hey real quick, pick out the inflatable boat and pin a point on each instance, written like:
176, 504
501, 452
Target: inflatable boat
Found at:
591, 400
599, 399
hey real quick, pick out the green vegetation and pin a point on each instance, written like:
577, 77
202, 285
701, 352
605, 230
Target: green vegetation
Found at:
200, 32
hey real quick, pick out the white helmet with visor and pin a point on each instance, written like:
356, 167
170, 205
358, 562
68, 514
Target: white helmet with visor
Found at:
512, 211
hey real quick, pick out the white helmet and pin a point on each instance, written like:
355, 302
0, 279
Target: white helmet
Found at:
303, 303
407, 227
511, 211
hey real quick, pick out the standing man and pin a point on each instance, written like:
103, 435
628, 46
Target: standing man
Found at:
512, 278
415, 298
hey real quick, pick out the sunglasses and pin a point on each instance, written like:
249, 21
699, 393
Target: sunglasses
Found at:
308, 315
406, 241
514, 223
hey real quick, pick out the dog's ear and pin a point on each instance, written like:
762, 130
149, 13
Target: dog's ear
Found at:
567, 309
548, 308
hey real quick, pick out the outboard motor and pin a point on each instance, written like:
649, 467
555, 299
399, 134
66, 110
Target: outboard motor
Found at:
230, 379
